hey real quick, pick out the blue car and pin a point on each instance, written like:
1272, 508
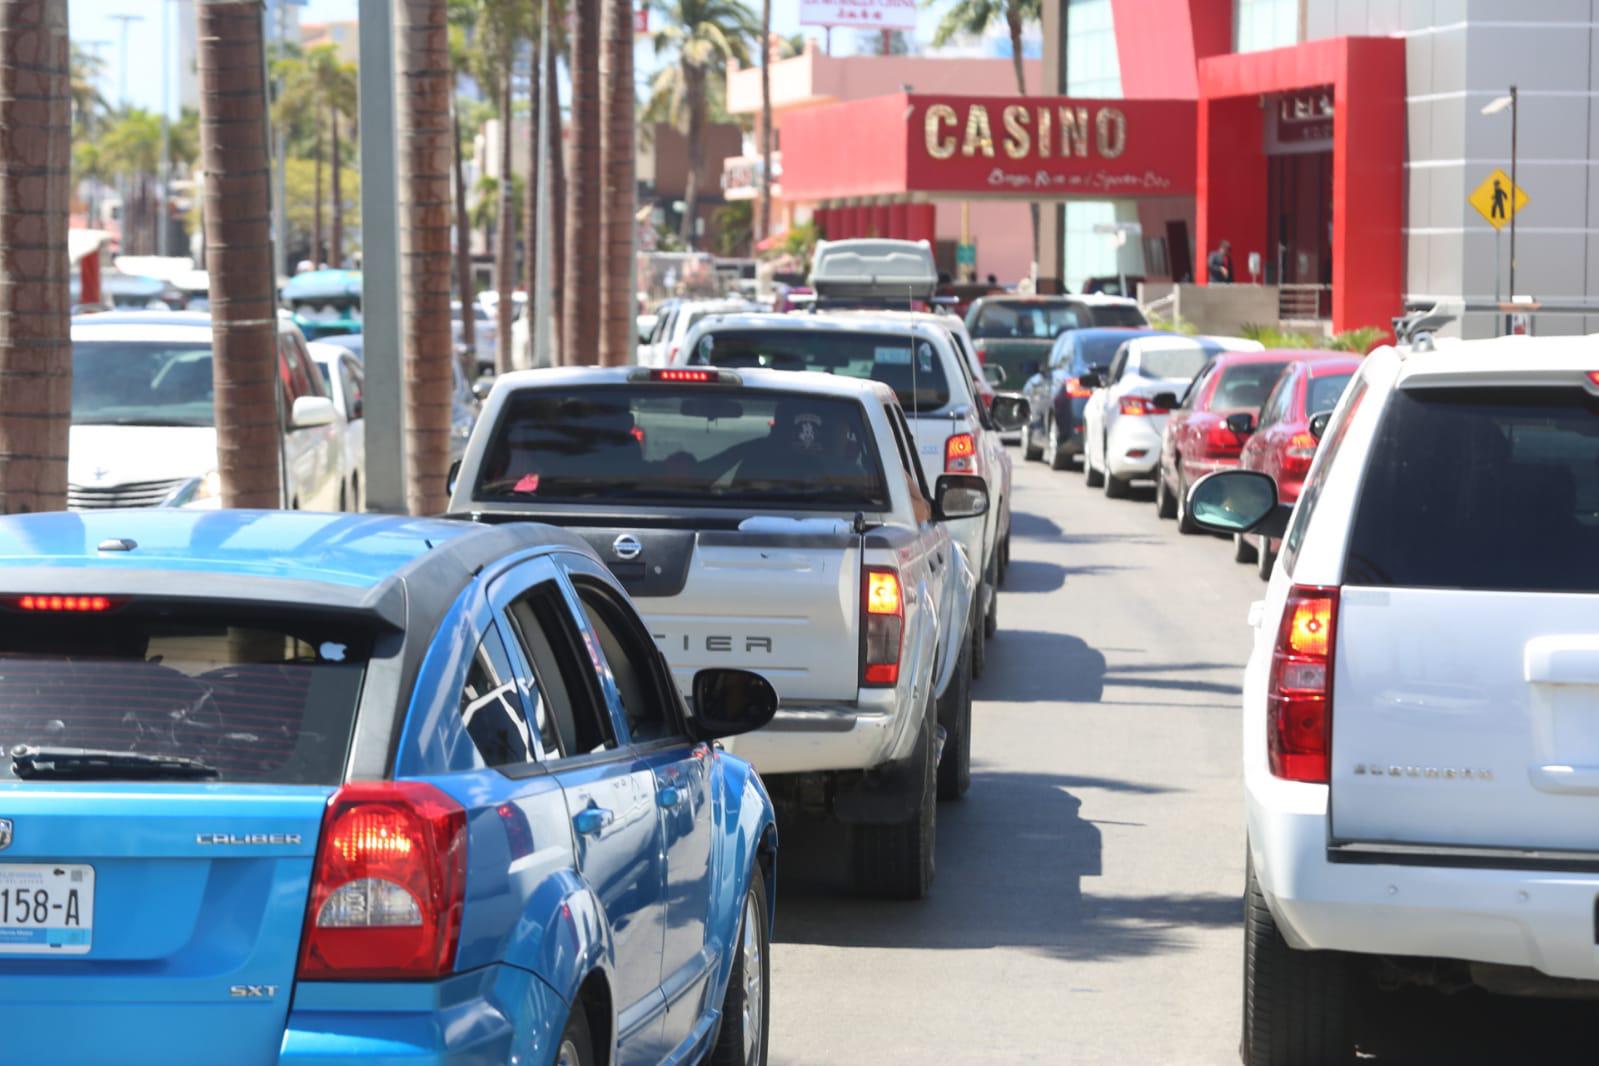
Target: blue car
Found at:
296, 788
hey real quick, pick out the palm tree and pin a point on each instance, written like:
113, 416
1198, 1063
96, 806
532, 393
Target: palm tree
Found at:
425, 80
618, 330
318, 85
581, 319
88, 103
704, 34
234, 141
460, 14
555, 147
763, 226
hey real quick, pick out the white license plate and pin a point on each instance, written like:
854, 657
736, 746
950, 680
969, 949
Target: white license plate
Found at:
46, 909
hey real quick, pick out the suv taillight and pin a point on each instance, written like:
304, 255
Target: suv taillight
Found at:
960, 454
388, 884
1139, 405
1299, 693
883, 619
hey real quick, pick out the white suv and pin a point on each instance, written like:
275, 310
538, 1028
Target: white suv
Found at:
1421, 711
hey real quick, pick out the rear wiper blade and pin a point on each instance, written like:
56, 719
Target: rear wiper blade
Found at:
88, 764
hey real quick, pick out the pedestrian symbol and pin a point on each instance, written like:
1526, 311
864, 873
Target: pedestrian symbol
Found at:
1497, 200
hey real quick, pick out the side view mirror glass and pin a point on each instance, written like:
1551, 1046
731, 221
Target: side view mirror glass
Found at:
960, 496
1010, 411
1241, 423
729, 702
1232, 501
311, 411
1091, 380
1318, 423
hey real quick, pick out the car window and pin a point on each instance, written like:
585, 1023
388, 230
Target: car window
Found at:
1482, 489
1244, 386
1172, 364
1026, 320
1118, 315
490, 711
306, 382
910, 462
1323, 393
569, 710
1060, 354
354, 383
1117, 365
907, 364
645, 693
1326, 453
117, 382
1196, 389
1274, 408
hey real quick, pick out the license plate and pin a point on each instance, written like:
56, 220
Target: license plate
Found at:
46, 909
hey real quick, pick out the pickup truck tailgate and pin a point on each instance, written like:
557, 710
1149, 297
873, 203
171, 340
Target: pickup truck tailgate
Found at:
784, 604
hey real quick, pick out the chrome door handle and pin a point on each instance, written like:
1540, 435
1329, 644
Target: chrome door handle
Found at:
669, 797
591, 821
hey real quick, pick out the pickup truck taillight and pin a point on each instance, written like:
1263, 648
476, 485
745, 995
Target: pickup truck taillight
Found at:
388, 884
1299, 692
883, 619
1076, 391
960, 454
1140, 405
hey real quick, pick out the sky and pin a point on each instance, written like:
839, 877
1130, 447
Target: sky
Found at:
93, 21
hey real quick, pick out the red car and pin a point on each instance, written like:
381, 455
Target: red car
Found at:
1282, 444
1197, 440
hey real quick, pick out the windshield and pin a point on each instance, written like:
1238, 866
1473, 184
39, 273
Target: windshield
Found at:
1097, 349
1172, 364
1323, 394
256, 700
1245, 385
141, 383
1118, 315
919, 383
1025, 320
706, 446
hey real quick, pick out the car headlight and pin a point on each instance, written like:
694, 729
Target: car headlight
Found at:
196, 490
209, 487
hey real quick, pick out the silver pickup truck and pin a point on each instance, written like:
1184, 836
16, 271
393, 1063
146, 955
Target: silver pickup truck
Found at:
778, 522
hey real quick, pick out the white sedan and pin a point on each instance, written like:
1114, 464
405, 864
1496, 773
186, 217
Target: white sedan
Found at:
341, 373
1126, 415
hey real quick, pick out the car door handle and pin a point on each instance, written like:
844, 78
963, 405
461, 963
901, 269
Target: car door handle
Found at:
591, 821
669, 797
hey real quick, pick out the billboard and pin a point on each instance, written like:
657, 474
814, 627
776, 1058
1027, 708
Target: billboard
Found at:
866, 14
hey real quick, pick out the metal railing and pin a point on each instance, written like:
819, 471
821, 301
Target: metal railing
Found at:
1303, 303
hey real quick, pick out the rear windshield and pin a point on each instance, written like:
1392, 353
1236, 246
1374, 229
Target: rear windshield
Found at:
268, 701
1025, 320
1245, 385
141, 383
1323, 394
709, 446
1098, 350
1483, 489
1118, 315
919, 382
1172, 364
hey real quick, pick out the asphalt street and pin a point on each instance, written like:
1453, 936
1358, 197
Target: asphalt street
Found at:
1087, 907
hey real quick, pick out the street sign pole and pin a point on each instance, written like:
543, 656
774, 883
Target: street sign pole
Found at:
1498, 245
1514, 115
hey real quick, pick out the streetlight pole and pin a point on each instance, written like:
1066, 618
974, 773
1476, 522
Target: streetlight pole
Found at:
1514, 188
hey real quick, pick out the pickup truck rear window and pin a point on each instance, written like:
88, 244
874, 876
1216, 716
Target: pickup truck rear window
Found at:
1025, 320
264, 700
908, 365
707, 446
1494, 489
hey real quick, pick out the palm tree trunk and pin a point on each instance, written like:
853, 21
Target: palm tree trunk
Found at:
530, 198
336, 258
619, 329
556, 147
316, 206
763, 218
1013, 22
581, 320
694, 89
234, 152
463, 256
505, 238
35, 353
424, 78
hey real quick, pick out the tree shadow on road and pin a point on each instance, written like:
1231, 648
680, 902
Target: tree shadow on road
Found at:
1031, 575
1012, 863
1033, 527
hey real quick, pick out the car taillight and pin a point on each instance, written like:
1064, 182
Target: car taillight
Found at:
64, 604
388, 884
960, 454
1299, 693
883, 616
1221, 441
1139, 405
982, 352
1076, 391
1301, 449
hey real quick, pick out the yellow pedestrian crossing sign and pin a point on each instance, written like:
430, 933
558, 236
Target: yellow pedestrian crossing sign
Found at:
1497, 200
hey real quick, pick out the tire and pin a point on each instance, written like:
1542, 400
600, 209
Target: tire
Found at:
1295, 1002
745, 1030
1185, 521
355, 493
1091, 477
1165, 502
955, 766
1004, 557
1054, 450
1030, 451
991, 619
1243, 551
344, 498
1265, 559
979, 632
577, 1045
896, 861
1115, 487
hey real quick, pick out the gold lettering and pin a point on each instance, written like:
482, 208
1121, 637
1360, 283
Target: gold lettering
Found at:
1044, 122
1074, 132
979, 134
1018, 143
939, 145
1111, 125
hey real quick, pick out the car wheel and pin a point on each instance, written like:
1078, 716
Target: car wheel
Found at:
355, 493
955, 765
1185, 521
344, 498
742, 1038
1091, 477
1165, 502
896, 861
1030, 451
1054, 449
1004, 557
577, 1045
1243, 551
1115, 487
1295, 1002
979, 631
1265, 559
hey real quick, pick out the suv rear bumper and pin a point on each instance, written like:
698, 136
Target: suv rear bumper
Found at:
814, 738
1431, 903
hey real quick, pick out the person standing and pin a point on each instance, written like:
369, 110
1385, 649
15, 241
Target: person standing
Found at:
1219, 264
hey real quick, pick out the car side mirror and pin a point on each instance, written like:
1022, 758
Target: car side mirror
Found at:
1090, 380
1241, 423
729, 702
960, 496
994, 375
1168, 400
1030, 367
453, 477
311, 411
1318, 423
481, 388
1238, 501
1010, 411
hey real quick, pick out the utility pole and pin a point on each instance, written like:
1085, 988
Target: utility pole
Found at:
1051, 249
164, 179
1515, 110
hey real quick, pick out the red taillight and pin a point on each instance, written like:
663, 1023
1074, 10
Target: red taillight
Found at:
960, 454
1076, 391
1140, 405
1221, 442
1298, 453
883, 617
693, 377
388, 884
1299, 694
982, 352
64, 604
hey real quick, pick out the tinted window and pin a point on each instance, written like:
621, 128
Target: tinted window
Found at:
1172, 364
1118, 315
136, 383
1245, 385
704, 445
1096, 351
268, 699
1025, 319
1276, 406
1468, 488
490, 710
354, 383
630, 656
568, 713
1321, 394
910, 366
1197, 388
1326, 453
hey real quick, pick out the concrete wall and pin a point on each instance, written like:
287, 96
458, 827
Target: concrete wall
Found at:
1218, 309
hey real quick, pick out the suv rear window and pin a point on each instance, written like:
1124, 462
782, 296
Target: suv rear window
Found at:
1482, 489
908, 365
683, 446
264, 700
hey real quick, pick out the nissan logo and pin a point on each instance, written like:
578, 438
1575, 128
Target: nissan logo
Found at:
626, 547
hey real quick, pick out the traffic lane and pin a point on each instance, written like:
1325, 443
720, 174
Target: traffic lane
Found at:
1087, 905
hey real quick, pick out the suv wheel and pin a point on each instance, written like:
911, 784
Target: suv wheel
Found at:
1295, 1002
955, 714
1243, 551
1030, 451
1185, 521
1055, 450
1165, 502
742, 1038
896, 861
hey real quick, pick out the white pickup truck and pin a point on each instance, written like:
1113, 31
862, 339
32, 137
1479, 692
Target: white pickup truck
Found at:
778, 522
